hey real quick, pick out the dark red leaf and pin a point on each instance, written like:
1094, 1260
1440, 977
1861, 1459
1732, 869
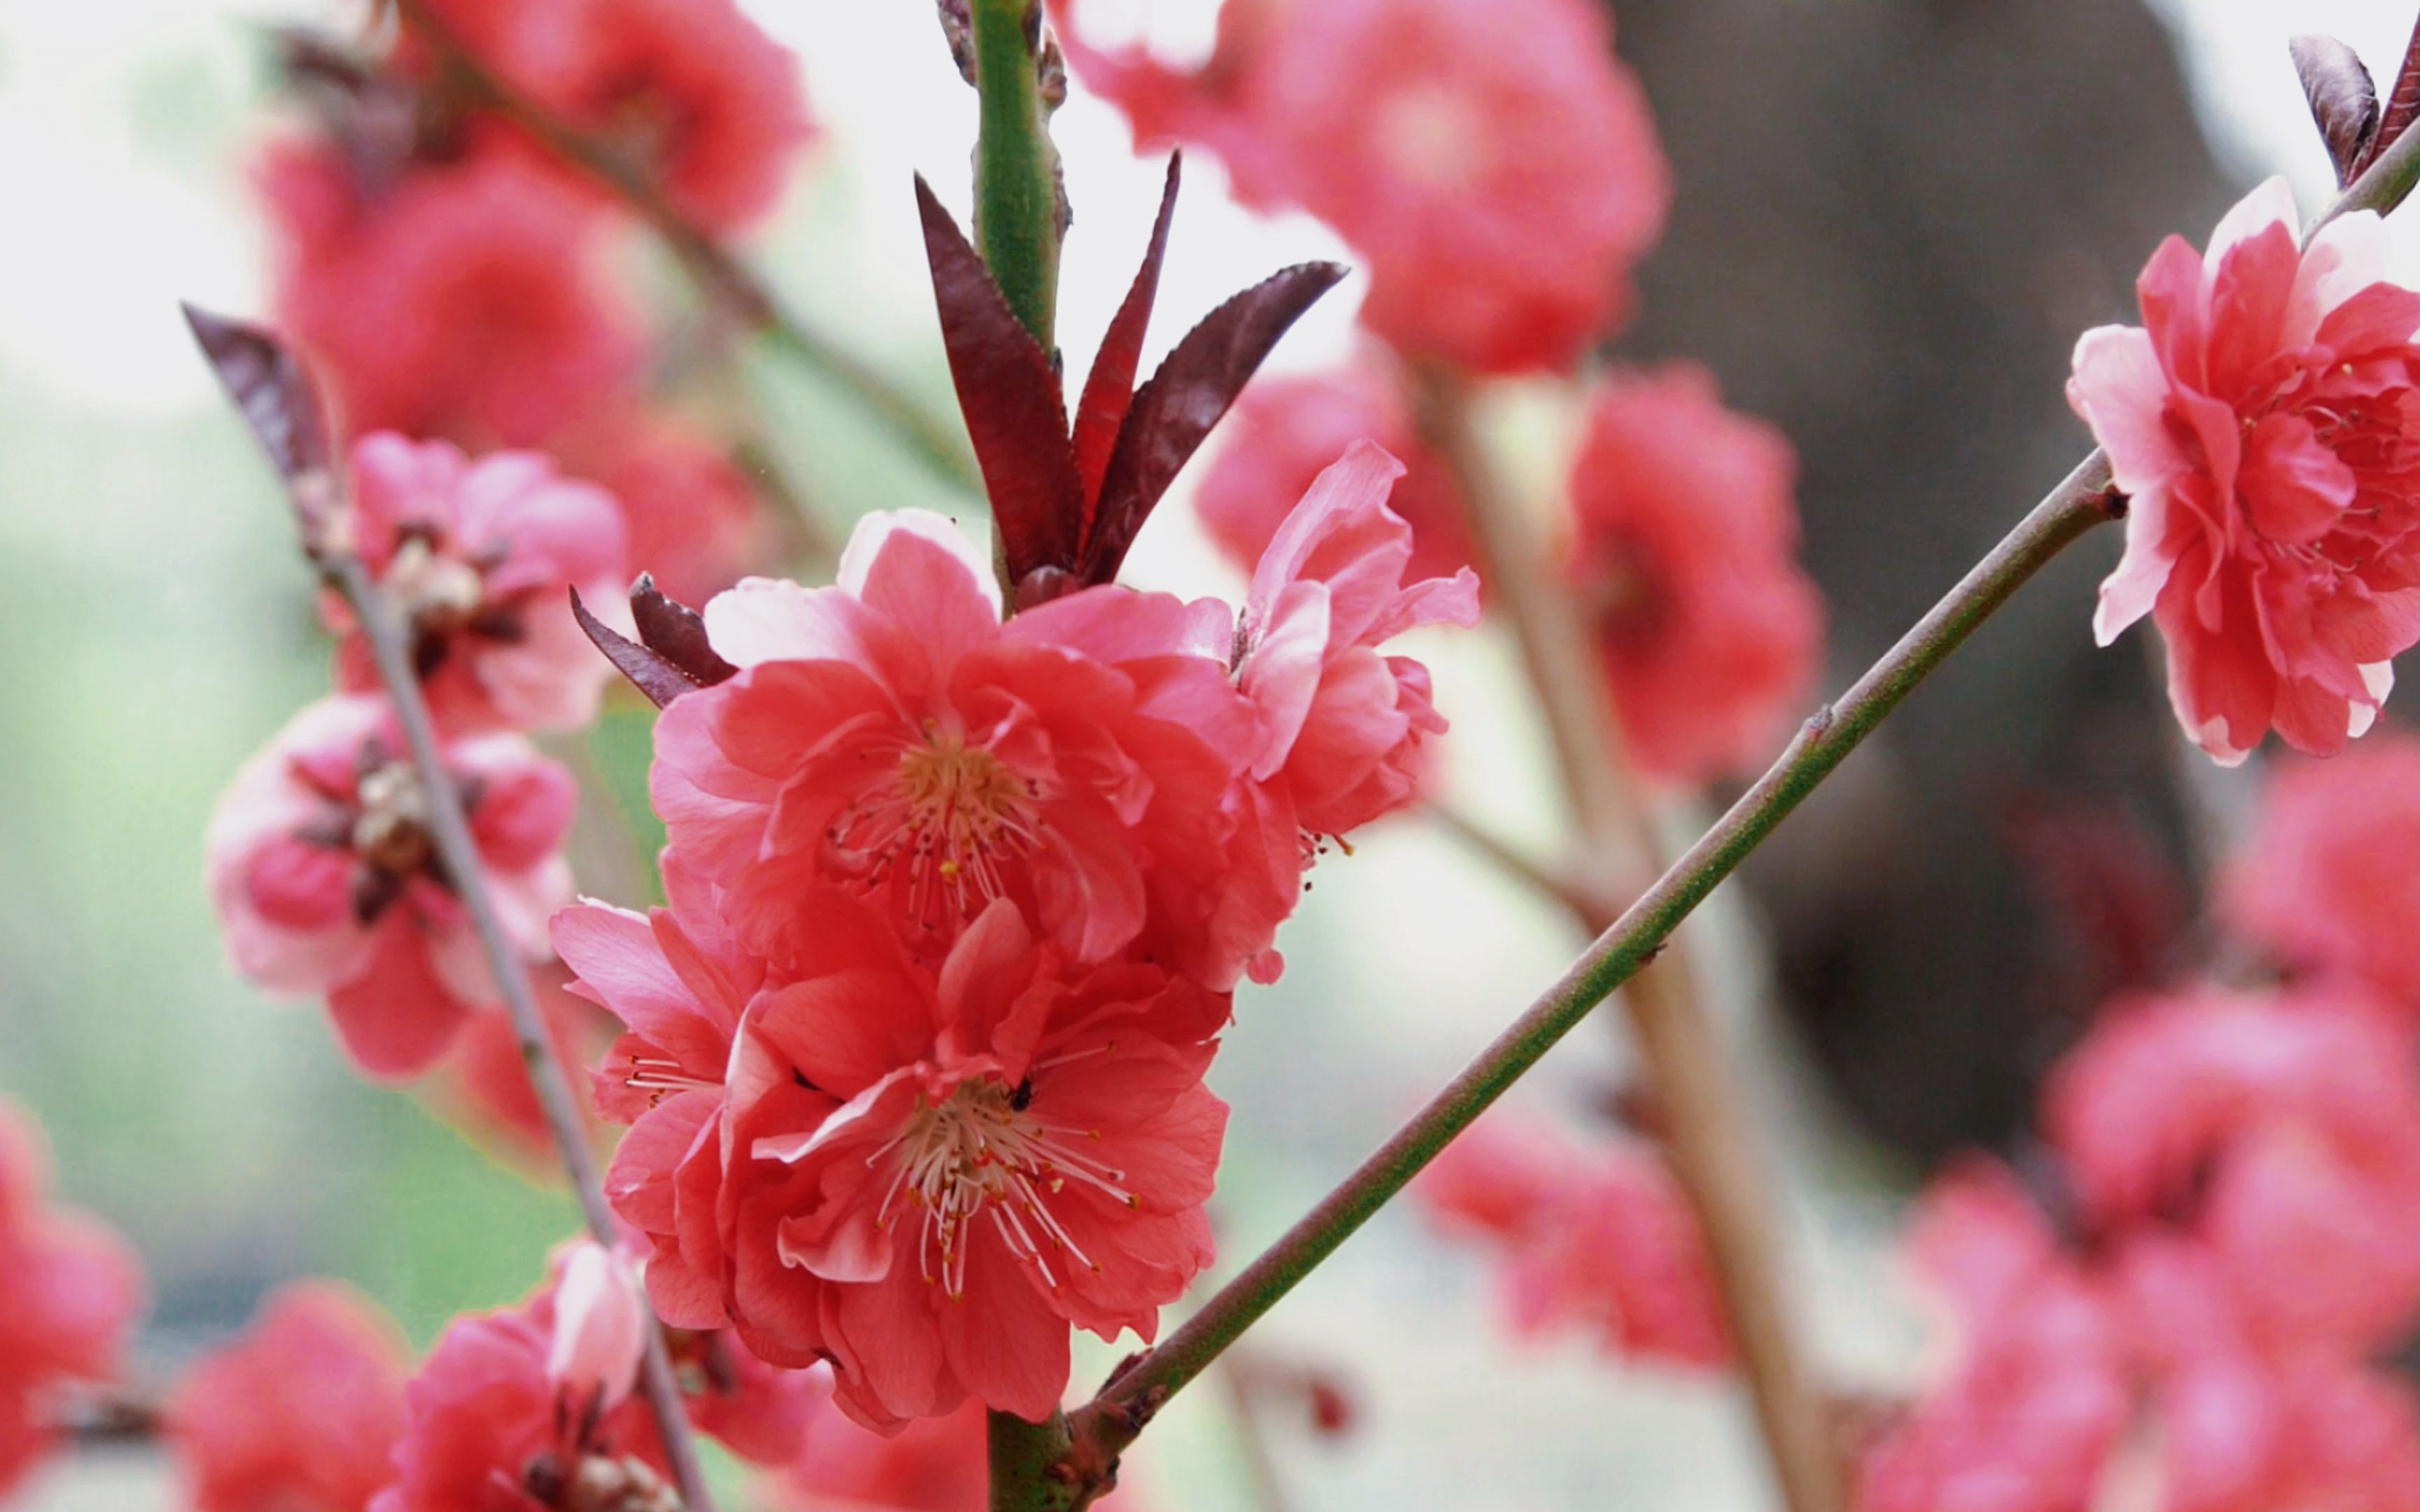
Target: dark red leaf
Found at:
1173, 412
268, 383
676, 632
2344, 102
651, 673
1109, 389
2402, 105
1008, 389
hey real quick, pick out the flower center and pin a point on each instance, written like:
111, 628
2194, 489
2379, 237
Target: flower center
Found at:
435, 591
981, 1156
952, 814
390, 832
1435, 135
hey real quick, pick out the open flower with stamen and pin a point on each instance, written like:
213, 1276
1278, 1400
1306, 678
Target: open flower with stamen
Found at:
327, 879
477, 556
892, 737
933, 1175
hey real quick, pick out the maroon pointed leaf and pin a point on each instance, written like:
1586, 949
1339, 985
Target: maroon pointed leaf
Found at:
676, 632
649, 671
2402, 105
1108, 389
269, 385
2344, 102
1008, 387
1174, 411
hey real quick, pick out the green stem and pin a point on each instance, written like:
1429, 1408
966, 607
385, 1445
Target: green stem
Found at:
1025, 1460
1103, 1429
1017, 168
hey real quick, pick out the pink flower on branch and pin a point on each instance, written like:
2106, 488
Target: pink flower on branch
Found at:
303, 1412
1342, 727
2264, 425
72, 1293
932, 1177
1685, 558
892, 737
490, 1427
1495, 165
327, 881
476, 558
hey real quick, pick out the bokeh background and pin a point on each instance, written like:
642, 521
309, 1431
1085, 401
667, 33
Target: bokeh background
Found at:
1893, 217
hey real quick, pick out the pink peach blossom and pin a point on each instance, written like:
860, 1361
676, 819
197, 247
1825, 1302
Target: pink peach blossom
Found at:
693, 90
1599, 1240
892, 737
1495, 165
1685, 557
74, 1290
488, 1429
933, 1176
1342, 727
478, 558
2327, 881
464, 299
301, 1415
326, 879
2262, 422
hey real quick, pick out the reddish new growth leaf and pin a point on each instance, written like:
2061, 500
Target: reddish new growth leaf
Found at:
1109, 390
1008, 387
2402, 105
1174, 412
268, 383
1068, 506
2344, 102
671, 656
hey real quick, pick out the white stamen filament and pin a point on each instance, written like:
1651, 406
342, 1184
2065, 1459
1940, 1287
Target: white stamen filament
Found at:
977, 1152
952, 813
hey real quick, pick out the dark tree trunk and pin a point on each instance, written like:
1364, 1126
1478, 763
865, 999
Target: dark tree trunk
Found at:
1895, 216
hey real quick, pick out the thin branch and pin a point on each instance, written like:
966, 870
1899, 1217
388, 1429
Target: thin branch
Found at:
1522, 868
1102, 1430
390, 643
936, 441
1713, 1125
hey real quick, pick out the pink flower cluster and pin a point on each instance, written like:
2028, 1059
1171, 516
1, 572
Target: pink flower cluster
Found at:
450, 277
915, 1060
322, 859
2235, 1235
74, 1290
